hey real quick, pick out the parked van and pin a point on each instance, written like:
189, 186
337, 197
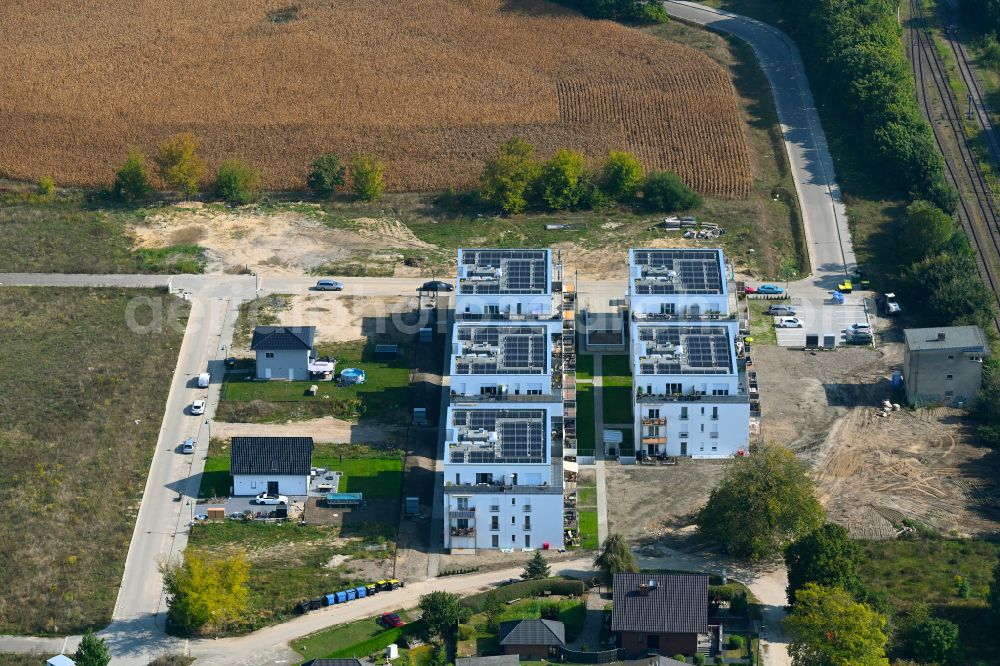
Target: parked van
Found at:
203, 380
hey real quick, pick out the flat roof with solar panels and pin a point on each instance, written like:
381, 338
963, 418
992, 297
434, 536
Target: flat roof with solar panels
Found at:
684, 350
677, 271
501, 350
489, 436
504, 271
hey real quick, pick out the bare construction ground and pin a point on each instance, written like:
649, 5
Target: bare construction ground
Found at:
872, 473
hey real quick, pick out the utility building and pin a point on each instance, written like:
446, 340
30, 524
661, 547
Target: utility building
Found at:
944, 364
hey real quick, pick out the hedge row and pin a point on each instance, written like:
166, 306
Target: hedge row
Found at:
379, 642
858, 67
528, 588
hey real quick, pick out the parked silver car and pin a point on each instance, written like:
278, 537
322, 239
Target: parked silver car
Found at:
780, 311
329, 285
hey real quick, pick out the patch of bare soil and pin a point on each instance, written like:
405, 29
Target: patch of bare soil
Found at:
275, 242
653, 503
326, 429
873, 472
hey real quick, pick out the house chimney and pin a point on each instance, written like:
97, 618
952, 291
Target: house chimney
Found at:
643, 590
941, 336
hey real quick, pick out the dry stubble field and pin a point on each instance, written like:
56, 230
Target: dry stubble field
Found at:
430, 86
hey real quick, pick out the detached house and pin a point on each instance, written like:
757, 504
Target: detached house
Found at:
275, 465
284, 352
666, 613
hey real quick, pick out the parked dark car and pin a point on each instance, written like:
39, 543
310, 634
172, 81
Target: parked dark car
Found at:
436, 285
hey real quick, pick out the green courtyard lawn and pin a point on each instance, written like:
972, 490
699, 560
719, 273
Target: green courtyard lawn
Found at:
588, 529
585, 425
81, 405
383, 397
585, 366
482, 641
616, 379
350, 637
926, 571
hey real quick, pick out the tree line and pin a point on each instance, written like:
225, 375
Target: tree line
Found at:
514, 180
637, 11
856, 53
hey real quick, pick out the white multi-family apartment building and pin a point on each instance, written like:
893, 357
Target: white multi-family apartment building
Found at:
502, 284
503, 476
505, 427
691, 394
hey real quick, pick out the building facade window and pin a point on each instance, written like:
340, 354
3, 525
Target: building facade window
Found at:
268, 354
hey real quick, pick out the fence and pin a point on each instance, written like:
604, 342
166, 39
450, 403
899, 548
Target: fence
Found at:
604, 657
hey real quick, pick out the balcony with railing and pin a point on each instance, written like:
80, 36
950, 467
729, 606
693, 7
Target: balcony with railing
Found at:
654, 439
651, 421
456, 531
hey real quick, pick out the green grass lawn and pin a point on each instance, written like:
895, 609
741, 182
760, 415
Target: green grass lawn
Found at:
588, 529
571, 612
81, 405
617, 392
383, 397
216, 480
62, 235
585, 366
374, 473
587, 495
585, 419
323, 643
762, 325
916, 572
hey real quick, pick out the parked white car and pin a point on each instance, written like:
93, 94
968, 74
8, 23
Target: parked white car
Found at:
198, 407
859, 327
264, 498
788, 322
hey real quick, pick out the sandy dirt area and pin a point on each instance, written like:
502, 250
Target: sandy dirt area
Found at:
277, 242
871, 472
874, 472
326, 429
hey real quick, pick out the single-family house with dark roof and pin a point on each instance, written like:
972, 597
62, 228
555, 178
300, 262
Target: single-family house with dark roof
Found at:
270, 464
666, 613
283, 352
337, 662
532, 639
493, 660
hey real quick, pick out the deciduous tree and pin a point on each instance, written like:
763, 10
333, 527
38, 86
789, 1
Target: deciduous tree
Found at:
237, 182
926, 231
367, 175
132, 179
508, 178
536, 567
561, 182
764, 501
933, 640
829, 628
615, 557
179, 166
206, 594
442, 612
621, 176
826, 556
326, 174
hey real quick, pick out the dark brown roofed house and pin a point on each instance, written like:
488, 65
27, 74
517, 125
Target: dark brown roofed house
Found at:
665, 613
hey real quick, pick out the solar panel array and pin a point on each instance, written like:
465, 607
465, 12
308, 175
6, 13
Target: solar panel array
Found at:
704, 350
518, 350
698, 271
522, 271
520, 435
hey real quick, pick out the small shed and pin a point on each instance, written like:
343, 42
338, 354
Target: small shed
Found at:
60, 660
612, 440
532, 639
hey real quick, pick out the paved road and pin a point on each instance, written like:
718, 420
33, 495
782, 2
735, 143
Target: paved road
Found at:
824, 216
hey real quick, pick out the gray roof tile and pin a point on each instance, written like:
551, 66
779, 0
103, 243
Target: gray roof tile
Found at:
532, 632
677, 604
271, 455
281, 338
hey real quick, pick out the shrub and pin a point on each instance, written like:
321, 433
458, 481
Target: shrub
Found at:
699, 659
367, 177
132, 179
466, 631
527, 588
46, 186
379, 642
680, 657
664, 191
326, 174
562, 181
643, 11
736, 642
236, 182
933, 640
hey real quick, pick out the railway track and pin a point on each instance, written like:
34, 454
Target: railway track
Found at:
977, 211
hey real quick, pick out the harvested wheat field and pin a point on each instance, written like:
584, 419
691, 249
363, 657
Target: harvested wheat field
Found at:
430, 86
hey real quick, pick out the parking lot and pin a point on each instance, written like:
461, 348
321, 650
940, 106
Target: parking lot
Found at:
821, 316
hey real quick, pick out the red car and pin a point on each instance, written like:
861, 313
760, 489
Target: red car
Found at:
391, 620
